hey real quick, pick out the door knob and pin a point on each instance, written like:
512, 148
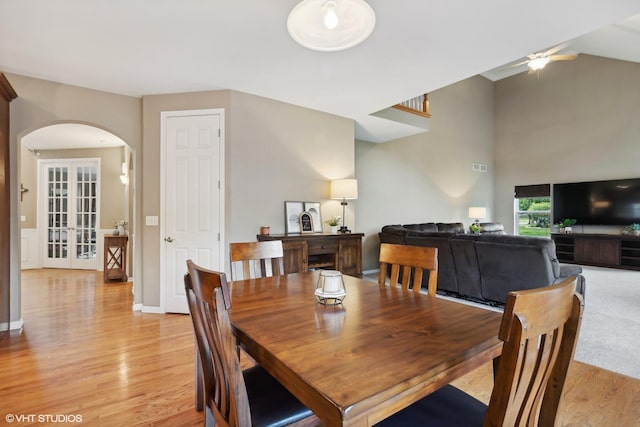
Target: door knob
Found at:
168, 239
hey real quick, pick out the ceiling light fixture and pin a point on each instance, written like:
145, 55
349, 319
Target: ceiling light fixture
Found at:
331, 25
538, 63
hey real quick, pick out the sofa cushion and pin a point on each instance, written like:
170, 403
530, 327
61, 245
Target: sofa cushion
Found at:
447, 280
491, 228
548, 246
466, 265
517, 263
451, 227
426, 226
393, 234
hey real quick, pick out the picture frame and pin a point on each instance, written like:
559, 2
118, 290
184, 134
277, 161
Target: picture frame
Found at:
292, 211
314, 209
306, 222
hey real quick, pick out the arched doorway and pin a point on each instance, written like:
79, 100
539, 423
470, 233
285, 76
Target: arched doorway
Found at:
76, 183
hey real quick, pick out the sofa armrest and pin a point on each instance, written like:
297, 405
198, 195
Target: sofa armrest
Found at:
567, 270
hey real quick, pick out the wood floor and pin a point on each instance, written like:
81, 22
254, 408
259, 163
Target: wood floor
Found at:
84, 353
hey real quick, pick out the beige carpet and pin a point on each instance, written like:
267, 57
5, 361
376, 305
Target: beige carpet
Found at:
610, 333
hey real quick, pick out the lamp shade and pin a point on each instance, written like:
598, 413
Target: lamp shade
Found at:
477, 212
331, 25
344, 189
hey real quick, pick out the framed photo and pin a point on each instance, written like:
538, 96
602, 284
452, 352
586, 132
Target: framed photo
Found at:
314, 210
292, 211
306, 222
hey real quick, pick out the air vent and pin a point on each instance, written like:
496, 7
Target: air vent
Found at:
479, 167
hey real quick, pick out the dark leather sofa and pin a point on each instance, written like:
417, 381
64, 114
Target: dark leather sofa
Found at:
485, 267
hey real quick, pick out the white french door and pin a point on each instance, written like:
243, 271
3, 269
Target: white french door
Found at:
192, 199
70, 212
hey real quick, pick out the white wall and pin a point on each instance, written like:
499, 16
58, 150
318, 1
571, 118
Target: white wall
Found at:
577, 121
429, 177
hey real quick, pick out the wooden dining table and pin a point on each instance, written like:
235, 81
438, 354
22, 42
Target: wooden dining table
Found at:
358, 362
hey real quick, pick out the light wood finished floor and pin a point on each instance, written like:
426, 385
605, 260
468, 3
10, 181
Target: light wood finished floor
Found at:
83, 352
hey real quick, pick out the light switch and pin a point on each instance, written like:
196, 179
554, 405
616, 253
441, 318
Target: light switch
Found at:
23, 218
151, 220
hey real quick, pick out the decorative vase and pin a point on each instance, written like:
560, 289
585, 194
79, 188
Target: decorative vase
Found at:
334, 229
121, 231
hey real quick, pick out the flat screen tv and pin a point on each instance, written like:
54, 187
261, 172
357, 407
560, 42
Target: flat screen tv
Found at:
615, 202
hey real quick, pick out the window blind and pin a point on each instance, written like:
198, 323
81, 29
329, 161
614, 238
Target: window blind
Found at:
539, 190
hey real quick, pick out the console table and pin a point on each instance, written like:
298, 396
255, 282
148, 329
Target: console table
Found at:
601, 250
115, 258
304, 252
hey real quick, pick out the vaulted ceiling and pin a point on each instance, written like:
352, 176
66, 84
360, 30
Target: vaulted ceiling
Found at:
138, 47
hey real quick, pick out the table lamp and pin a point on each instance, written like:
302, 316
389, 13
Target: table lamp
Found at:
344, 189
477, 213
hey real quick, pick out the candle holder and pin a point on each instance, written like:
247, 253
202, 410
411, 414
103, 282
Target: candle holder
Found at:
330, 288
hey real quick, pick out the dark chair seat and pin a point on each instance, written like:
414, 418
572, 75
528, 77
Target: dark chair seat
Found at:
447, 407
271, 404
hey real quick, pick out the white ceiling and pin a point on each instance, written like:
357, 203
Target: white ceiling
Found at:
138, 47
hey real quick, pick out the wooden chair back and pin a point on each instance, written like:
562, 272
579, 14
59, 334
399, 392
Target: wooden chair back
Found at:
225, 394
406, 265
256, 259
539, 329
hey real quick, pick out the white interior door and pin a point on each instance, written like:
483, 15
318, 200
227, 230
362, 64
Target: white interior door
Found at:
192, 202
70, 212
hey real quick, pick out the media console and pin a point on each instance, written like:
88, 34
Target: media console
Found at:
600, 250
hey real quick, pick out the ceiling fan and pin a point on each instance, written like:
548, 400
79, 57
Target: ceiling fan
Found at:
537, 61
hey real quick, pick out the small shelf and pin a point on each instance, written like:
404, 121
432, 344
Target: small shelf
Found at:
115, 258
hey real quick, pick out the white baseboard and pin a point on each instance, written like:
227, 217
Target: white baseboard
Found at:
16, 325
137, 307
151, 309
374, 271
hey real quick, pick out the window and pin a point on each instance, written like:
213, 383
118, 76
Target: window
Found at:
533, 210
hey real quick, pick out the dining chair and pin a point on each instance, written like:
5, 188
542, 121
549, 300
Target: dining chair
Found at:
233, 397
256, 259
539, 331
410, 262
207, 282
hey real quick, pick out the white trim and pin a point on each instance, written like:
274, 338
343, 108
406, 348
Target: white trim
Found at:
374, 271
15, 325
151, 309
41, 221
164, 115
137, 307
29, 249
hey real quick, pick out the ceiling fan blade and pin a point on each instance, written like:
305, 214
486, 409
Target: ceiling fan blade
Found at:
513, 65
568, 57
555, 49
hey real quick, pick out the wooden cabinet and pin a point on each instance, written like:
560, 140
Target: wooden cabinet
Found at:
603, 250
350, 256
115, 258
304, 252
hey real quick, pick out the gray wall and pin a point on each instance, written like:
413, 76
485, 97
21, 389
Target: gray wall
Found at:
577, 121
42, 103
429, 177
273, 152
